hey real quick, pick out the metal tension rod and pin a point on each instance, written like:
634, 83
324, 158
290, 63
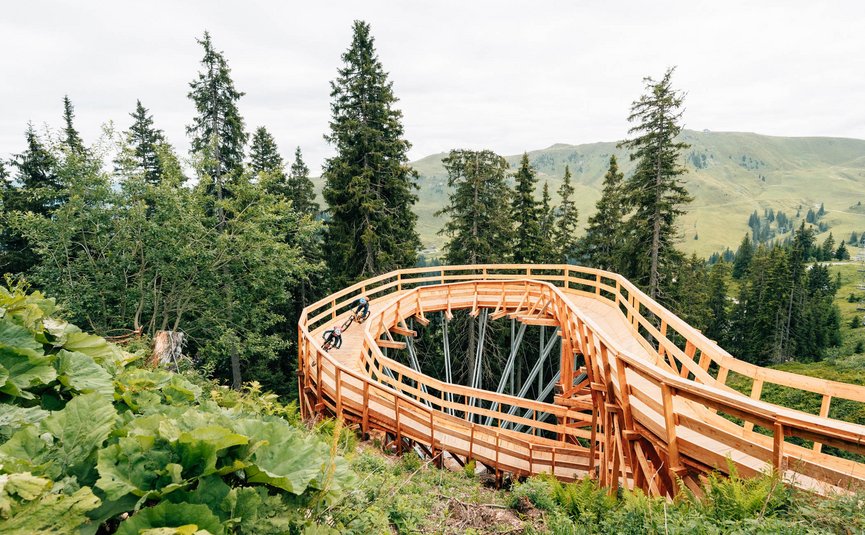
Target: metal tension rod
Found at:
447, 350
509, 366
534, 372
546, 392
476, 378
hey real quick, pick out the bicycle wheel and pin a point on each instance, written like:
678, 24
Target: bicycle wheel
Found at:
347, 323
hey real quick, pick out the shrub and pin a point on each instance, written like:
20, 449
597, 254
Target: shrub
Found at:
538, 490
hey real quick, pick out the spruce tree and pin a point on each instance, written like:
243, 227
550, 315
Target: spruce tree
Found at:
143, 140
744, 254
565, 231
655, 191
37, 188
301, 190
526, 214
842, 253
476, 229
217, 132
71, 137
548, 248
369, 186
264, 156
603, 245
716, 304
828, 249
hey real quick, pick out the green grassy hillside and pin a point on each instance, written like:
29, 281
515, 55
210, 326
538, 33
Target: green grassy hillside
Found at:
730, 174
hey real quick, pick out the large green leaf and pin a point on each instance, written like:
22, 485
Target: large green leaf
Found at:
13, 417
23, 363
159, 456
192, 518
30, 504
64, 442
18, 339
82, 374
104, 353
288, 460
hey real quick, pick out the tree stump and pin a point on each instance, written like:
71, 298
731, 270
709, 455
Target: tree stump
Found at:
167, 348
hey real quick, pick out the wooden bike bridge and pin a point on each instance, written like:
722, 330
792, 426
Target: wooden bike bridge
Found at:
639, 400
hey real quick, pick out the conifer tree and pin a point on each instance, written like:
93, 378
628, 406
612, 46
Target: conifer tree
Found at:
828, 249
526, 214
716, 304
603, 245
217, 132
656, 193
36, 188
369, 186
744, 254
143, 140
477, 233
565, 232
842, 253
548, 246
264, 156
71, 137
301, 190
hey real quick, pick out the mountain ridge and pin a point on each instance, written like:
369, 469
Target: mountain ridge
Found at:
729, 174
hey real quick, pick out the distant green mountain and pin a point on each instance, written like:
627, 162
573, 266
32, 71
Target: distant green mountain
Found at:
730, 174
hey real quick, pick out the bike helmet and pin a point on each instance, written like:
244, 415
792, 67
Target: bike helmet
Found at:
337, 331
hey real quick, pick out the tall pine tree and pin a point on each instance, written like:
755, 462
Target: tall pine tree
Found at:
525, 212
143, 141
71, 137
369, 186
477, 233
548, 248
36, 188
264, 156
744, 254
301, 190
655, 191
218, 134
602, 246
565, 231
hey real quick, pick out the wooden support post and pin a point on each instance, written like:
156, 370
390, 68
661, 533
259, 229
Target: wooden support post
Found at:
398, 428
824, 413
364, 423
690, 351
670, 424
338, 392
778, 448
318, 378
756, 390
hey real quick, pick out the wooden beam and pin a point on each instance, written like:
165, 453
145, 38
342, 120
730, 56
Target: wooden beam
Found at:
403, 331
391, 344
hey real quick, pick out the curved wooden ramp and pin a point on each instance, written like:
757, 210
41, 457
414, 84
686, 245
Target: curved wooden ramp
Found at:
641, 398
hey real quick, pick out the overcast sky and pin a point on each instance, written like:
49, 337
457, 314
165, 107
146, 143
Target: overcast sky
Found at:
509, 76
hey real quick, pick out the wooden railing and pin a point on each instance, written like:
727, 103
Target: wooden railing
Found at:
651, 400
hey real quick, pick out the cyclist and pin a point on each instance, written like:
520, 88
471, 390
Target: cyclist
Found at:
333, 337
362, 310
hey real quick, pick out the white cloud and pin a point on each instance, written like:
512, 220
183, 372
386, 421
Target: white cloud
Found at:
510, 76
